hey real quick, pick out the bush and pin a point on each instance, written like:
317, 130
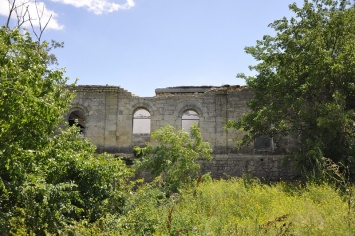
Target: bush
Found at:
68, 182
174, 156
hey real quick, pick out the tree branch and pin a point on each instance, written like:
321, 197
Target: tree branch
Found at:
22, 12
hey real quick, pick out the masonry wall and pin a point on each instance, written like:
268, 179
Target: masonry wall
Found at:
266, 167
109, 121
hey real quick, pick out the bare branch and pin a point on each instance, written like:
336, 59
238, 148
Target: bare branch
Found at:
40, 17
23, 15
11, 9
45, 26
33, 30
20, 16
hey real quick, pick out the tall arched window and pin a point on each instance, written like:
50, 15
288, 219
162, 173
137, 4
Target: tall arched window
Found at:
77, 117
141, 121
188, 118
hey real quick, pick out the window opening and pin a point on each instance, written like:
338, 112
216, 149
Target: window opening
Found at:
189, 117
263, 143
141, 122
77, 118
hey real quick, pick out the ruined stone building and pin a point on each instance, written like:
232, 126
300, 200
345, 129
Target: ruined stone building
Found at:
116, 120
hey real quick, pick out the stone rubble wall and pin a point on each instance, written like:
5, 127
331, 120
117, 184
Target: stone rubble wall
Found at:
265, 167
109, 123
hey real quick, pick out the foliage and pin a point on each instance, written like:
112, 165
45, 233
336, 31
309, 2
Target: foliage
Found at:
141, 218
305, 83
31, 94
233, 207
47, 181
175, 155
66, 183
101, 179
33, 99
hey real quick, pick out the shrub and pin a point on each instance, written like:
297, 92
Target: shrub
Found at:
174, 156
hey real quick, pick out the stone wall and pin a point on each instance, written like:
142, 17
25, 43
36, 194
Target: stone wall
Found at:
266, 167
109, 112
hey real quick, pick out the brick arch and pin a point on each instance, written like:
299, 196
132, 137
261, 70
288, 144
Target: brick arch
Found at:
189, 107
142, 105
78, 107
80, 113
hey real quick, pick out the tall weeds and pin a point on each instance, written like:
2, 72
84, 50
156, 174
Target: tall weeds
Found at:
234, 207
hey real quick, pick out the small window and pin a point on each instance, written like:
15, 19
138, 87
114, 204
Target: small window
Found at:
263, 143
141, 122
189, 117
77, 118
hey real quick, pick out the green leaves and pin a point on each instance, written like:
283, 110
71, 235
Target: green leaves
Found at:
174, 154
304, 82
33, 97
47, 181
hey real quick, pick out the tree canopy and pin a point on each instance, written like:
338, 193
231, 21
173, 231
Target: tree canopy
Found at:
48, 180
304, 85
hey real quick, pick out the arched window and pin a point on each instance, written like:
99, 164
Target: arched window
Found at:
141, 122
189, 117
77, 117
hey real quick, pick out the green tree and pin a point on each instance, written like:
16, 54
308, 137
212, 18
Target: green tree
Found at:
305, 83
175, 155
47, 180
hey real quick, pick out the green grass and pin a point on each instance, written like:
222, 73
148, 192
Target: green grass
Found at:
234, 207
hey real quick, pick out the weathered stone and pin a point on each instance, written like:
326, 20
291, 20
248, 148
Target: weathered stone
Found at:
108, 115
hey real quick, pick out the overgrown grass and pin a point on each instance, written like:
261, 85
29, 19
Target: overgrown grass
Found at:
234, 207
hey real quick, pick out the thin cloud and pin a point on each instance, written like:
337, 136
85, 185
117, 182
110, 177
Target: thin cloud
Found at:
37, 12
98, 6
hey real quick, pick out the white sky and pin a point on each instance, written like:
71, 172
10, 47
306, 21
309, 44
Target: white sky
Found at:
142, 45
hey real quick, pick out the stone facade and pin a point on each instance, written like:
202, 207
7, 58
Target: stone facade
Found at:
107, 116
